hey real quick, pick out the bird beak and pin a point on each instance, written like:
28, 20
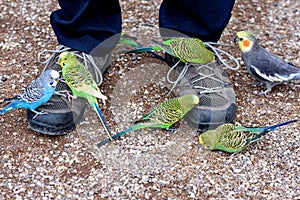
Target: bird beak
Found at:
236, 39
59, 61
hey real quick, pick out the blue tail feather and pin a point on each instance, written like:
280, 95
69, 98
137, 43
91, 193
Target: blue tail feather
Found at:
297, 76
270, 128
148, 50
125, 39
99, 113
141, 50
6, 109
103, 142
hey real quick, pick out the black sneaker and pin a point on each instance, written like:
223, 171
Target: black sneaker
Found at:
211, 83
63, 115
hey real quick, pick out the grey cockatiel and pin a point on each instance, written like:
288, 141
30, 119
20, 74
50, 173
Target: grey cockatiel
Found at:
263, 65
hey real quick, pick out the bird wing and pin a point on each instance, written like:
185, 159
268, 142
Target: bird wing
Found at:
160, 117
32, 92
271, 77
14, 99
191, 50
266, 66
88, 89
80, 80
235, 140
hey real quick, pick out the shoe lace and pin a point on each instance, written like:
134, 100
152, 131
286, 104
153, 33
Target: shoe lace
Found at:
88, 60
217, 53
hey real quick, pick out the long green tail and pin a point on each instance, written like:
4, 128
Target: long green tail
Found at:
146, 49
125, 39
103, 142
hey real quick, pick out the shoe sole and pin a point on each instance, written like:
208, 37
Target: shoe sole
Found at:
53, 129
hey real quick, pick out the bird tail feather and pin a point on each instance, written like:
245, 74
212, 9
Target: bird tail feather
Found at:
257, 137
126, 39
270, 128
95, 106
11, 99
144, 49
103, 142
8, 108
297, 76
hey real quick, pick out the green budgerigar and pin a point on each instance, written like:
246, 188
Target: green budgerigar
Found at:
188, 50
233, 139
163, 116
81, 83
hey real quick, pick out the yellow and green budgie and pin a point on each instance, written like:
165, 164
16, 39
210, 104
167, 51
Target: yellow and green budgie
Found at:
82, 83
163, 116
188, 50
233, 139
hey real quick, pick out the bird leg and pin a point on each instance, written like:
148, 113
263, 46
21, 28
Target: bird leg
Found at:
265, 93
60, 93
38, 113
269, 89
172, 130
48, 104
257, 83
233, 154
69, 95
62, 80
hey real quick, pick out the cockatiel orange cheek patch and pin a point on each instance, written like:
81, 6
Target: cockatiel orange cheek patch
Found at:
246, 43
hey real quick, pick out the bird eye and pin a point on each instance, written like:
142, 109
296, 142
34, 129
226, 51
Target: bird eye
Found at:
241, 39
65, 58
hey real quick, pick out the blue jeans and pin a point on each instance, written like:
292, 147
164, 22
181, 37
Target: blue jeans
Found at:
84, 24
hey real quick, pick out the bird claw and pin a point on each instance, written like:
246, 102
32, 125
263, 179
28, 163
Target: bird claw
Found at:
233, 154
172, 130
104, 101
48, 104
38, 113
68, 95
60, 93
103, 98
264, 93
255, 84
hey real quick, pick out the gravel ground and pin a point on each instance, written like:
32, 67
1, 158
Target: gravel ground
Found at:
148, 164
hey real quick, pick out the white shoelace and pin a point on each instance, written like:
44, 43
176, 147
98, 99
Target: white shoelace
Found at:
88, 60
217, 53
91, 65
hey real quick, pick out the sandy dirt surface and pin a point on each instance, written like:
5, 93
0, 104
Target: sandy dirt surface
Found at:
148, 164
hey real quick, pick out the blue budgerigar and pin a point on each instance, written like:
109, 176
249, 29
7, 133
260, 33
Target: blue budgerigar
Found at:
35, 94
